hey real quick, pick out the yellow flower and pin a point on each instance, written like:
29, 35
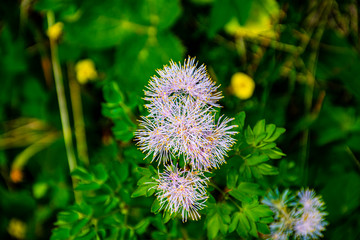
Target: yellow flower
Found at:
85, 71
261, 20
55, 31
242, 86
17, 228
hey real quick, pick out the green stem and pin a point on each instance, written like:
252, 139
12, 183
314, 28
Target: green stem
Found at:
61, 99
225, 195
79, 124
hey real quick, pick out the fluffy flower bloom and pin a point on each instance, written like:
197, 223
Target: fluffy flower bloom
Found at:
183, 79
310, 225
181, 191
302, 217
181, 123
309, 201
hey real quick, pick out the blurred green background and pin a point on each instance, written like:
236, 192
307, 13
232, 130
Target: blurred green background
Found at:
301, 56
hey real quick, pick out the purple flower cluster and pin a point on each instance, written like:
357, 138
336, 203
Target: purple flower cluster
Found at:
181, 191
302, 217
181, 123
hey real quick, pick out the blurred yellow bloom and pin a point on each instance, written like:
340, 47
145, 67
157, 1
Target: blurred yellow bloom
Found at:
85, 71
55, 31
17, 228
263, 14
16, 175
242, 86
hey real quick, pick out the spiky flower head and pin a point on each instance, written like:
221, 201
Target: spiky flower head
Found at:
187, 79
182, 191
301, 216
181, 120
310, 224
309, 201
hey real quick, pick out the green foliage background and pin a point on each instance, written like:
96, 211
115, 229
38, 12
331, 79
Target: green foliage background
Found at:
302, 55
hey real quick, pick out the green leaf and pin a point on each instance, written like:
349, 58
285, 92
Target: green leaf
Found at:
266, 169
100, 172
87, 186
82, 174
142, 226
252, 189
213, 226
249, 136
259, 128
221, 13
232, 178
263, 228
60, 233
68, 217
276, 135
240, 120
243, 226
140, 191
78, 226
270, 130
239, 195
243, 8
88, 235
123, 171
112, 93
256, 159
234, 223
155, 207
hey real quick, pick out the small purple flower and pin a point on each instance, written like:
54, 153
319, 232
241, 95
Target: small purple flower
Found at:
183, 79
181, 191
309, 201
181, 120
310, 225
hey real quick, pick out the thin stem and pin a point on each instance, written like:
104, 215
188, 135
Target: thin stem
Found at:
78, 115
225, 195
62, 100
348, 150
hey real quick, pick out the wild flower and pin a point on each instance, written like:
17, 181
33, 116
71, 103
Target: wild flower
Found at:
181, 120
185, 79
301, 216
182, 191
